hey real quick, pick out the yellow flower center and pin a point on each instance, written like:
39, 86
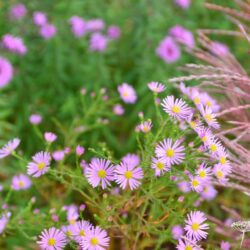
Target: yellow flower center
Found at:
195, 226
41, 165
128, 174
51, 242
204, 138
195, 183
202, 174
188, 247
213, 147
125, 94
160, 165
208, 117
69, 234
197, 100
170, 152
94, 241
219, 174
72, 221
223, 160
145, 128
193, 124
176, 109
21, 184
102, 173
208, 103
82, 233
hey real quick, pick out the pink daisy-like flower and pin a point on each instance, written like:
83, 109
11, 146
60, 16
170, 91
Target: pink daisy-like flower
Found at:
156, 87
225, 245
209, 117
35, 119
131, 159
221, 172
128, 176
196, 184
95, 25
58, 155
204, 173
205, 134
222, 156
127, 93
172, 153
182, 35
187, 245
214, 145
95, 239
6, 72
8, 148
68, 231
183, 3
98, 42
14, 44
177, 231
18, 11
4, 219
47, 31
184, 186
185, 90
118, 109
168, 50
208, 101
159, 166
49, 137
100, 172
78, 26
39, 18
80, 150
72, 214
40, 164
209, 193
20, 182
113, 32
52, 239
176, 108
195, 226
80, 229
146, 126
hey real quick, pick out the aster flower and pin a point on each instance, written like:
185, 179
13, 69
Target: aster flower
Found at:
187, 245
131, 159
205, 134
80, 229
98, 42
52, 239
184, 186
204, 173
100, 172
195, 226
159, 166
185, 90
168, 50
4, 219
183, 3
95, 25
176, 108
58, 155
127, 93
128, 176
18, 11
177, 231
156, 87
35, 119
72, 214
170, 152
20, 182
6, 72
39, 18
196, 184
14, 44
118, 109
96, 239
182, 36
146, 126
80, 150
40, 164
49, 137
78, 26
209, 117
10, 147
222, 156
208, 101
47, 31
221, 172
68, 231
225, 245
209, 193
114, 32
214, 145
195, 96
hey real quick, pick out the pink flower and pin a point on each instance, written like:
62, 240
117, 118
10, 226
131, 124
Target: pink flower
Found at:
209, 117
98, 42
196, 183
128, 176
68, 231
183, 3
100, 172
127, 93
184, 186
95, 239
146, 126
221, 172
58, 155
114, 32
225, 245
168, 50
95, 25
4, 219
219, 49
118, 109
170, 152
47, 31
10, 147
187, 245
204, 173
20, 182
156, 87
159, 166
182, 35
80, 150
80, 229
176, 108
49, 137
35, 119
195, 226
72, 214
40, 164
18, 11
39, 18
6, 72
52, 239
14, 44
78, 26
208, 193
131, 159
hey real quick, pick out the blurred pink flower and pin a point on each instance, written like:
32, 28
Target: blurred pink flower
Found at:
47, 31
98, 42
20, 182
8, 148
177, 231
183, 3
80, 150
6, 72
58, 155
18, 11
95, 25
127, 93
118, 109
39, 18
35, 119
78, 26
14, 44
114, 32
49, 137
